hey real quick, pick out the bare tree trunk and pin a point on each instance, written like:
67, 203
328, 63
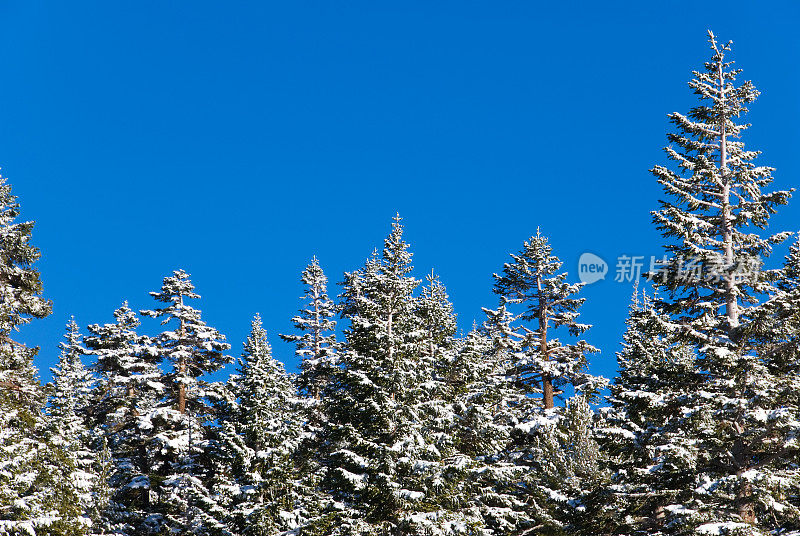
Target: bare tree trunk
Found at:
181, 371
182, 388
547, 381
732, 305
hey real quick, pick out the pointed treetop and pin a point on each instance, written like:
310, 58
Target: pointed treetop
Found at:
256, 344
174, 287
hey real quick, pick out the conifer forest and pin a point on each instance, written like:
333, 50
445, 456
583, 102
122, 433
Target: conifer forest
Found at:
396, 423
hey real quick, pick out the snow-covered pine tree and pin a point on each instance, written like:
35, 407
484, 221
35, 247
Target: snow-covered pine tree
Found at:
711, 282
20, 286
439, 353
533, 282
646, 436
128, 387
69, 437
541, 363
777, 322
100, 509
486, 402
193, 348
789, 276
566, 471
436, 349
258, 438
129, 377
316, 342
316, 346
437, 317
382, 471
178, 440
22, 429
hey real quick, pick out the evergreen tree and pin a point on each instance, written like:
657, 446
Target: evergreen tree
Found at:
193, 348
486, 402
316, 346
259, 437
777, 322
129, 382
69, 436
382, 469
712, 282
538, 362
128, 387
316, 343
565, 470
178, 446
646, 434
24, 505
437, 317
101, 505
533, 281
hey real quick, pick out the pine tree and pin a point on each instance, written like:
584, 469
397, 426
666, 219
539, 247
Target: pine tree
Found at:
20, 286
439, 352
538, 362
533, 281
486, 402
178, 442
128, 369
316, 343
193, 348
68, 434
23, 478
565, 470
437, 317
259, 437
382, 470
646, 435
100, 507
776, 322
128, 388
316, 346
714, 257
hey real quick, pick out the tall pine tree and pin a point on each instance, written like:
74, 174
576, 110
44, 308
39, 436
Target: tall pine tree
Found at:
23, 479
128, 388
178, 440
711, 281
70, 438
534, 283
316, 341
383, 470
646, 434
259, 436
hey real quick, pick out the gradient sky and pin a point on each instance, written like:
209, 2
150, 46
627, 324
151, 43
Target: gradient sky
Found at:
237, 139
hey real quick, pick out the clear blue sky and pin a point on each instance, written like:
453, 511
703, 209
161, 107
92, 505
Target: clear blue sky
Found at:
236, 140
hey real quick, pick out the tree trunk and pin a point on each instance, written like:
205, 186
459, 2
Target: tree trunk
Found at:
744, 495
182, 388
181, 370
547, 381
731, 302
744, 503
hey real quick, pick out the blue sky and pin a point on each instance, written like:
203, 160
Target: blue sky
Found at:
237, 139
